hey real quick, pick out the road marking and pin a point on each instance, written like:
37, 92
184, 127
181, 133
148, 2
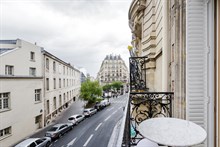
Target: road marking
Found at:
98, 127
114, 112
88, 140
71, 142
56, 140
110, 109
107, 117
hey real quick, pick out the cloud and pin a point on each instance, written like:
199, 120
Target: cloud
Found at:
81, 32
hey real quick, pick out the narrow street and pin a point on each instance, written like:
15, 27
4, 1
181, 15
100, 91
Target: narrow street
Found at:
93, 131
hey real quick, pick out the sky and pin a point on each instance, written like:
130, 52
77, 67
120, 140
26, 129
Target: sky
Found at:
80, 32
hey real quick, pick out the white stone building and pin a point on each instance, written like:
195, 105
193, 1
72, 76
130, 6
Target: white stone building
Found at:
21, 90
34, 87
113, 68
61, 85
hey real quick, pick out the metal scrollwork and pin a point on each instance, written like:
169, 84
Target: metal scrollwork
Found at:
145, 106
137, 79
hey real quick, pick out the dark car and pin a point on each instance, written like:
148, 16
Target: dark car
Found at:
58, 130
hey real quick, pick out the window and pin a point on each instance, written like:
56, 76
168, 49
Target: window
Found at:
32, 71
54, 66
32, 56
38, 119
5, 132
9, 70
47, 83
47, 63
4, 101
54, 103
63, 82
59, 83
37, 95
54, 83
60, 100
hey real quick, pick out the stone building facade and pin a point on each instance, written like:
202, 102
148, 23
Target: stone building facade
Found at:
112, 69
35, 86
158, 33
61, 85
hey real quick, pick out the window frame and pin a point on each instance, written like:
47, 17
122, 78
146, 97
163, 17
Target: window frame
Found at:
9, 70
4, 101
38, 93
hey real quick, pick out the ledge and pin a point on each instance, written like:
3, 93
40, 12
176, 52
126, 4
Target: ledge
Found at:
19, 77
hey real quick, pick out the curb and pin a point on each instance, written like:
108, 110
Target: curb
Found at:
115, 133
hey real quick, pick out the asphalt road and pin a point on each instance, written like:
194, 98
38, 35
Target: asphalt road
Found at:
94, 131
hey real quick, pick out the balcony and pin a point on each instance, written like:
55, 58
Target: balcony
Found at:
142, 104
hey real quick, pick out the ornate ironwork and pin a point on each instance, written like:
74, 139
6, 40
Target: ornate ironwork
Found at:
145, 105
137, 74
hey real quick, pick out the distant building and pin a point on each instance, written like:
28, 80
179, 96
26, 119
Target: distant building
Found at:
61, 85
34, 87
21, 90
83, 77
113, 68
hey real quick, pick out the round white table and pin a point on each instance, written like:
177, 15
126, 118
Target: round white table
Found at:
172, 131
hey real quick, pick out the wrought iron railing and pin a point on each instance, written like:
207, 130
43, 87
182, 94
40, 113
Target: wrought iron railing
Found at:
142, 106
137, 74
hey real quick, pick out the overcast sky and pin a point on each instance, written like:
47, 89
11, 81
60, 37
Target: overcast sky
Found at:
81, 32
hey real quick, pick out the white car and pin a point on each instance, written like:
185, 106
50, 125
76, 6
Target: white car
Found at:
89, 112
75, 119
105, 103
35, 142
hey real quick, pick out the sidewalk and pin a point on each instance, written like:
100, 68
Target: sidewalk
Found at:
74, 108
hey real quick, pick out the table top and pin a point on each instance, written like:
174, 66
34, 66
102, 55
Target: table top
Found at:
172, 131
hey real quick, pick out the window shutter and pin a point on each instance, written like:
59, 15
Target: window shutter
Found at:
196, 63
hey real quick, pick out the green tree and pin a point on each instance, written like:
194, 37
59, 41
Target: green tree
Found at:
106, 87
117, 85
90, 91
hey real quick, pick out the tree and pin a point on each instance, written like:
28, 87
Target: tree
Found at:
106, 87
117, 85
90, 91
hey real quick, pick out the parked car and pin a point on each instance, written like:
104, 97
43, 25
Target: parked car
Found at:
99, 106
75, 119
58, 130
35, 142
89, 112
105, 103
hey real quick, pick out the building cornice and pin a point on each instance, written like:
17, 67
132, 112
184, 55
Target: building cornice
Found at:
19, 77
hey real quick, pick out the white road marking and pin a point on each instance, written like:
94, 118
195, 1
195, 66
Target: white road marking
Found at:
88, 140
114, 112
98, 127
110, 109
107, 117
71, 142
56, 140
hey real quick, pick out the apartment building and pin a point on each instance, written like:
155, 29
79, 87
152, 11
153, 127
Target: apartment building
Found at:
181, 42
21, 90
61, 85
112, 69
35, 86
